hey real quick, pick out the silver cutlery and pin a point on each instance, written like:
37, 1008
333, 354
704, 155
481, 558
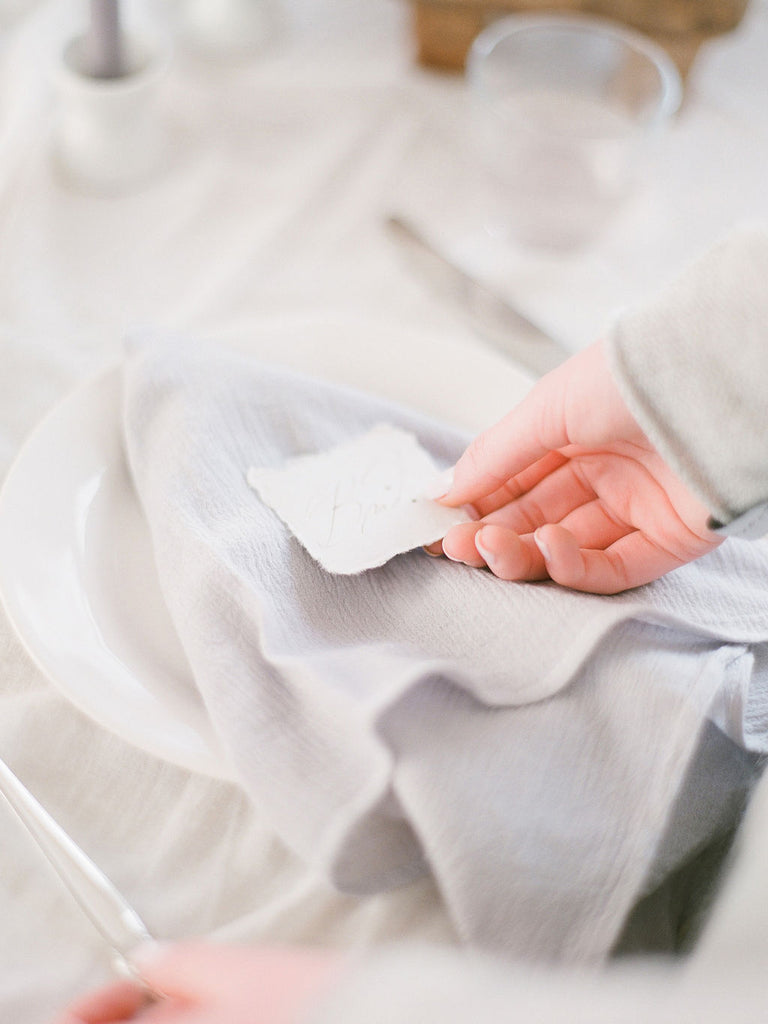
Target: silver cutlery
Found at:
498, 322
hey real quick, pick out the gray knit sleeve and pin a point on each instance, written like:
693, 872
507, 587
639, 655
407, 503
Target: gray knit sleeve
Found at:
692, 365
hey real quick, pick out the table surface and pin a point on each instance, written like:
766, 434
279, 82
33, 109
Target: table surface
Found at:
283, 169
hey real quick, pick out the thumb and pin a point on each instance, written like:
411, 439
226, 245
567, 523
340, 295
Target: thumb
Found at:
206, 971
528, 432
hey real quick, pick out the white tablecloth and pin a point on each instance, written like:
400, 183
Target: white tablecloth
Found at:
284, 167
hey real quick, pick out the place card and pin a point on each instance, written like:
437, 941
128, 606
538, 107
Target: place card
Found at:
356, 506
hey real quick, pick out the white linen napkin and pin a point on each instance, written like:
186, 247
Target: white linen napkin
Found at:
524, 743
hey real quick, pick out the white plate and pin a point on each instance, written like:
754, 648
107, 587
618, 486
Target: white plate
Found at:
77, 576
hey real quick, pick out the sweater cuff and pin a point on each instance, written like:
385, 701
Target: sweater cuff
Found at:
692, 366
750, 525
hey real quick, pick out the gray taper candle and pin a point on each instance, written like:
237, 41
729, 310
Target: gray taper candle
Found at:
106, 58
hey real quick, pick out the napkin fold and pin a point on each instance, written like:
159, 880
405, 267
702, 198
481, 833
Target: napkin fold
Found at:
525, 744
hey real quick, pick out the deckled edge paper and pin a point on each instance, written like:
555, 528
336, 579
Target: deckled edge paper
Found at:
359, 504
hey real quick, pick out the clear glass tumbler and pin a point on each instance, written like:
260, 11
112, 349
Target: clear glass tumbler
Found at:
565, 114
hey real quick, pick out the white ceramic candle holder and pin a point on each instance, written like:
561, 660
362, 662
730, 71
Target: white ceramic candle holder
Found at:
109, 134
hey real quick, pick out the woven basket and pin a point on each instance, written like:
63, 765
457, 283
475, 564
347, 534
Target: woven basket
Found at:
445, 29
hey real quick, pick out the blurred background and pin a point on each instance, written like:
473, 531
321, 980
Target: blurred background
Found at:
344, 111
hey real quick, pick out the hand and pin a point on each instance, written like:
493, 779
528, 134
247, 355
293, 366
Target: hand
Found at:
209, 984
568, 487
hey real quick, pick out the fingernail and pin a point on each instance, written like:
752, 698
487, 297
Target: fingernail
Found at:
448, 554
483, 551
440, 486
471, 511
541, 545
432, 554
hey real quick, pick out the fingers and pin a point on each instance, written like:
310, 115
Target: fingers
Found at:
521, 484
459, 545
564, 496
119, 1001
205, 982
547, 494
204, 972
553, 552
510, 556
561, 491
593, 526
629, 562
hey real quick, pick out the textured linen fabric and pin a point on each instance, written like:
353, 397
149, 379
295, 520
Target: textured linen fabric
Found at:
522, 743
723, 979
272, 212
693, 368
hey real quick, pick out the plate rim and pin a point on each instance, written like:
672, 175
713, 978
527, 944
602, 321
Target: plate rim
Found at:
237, 338
199, 756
